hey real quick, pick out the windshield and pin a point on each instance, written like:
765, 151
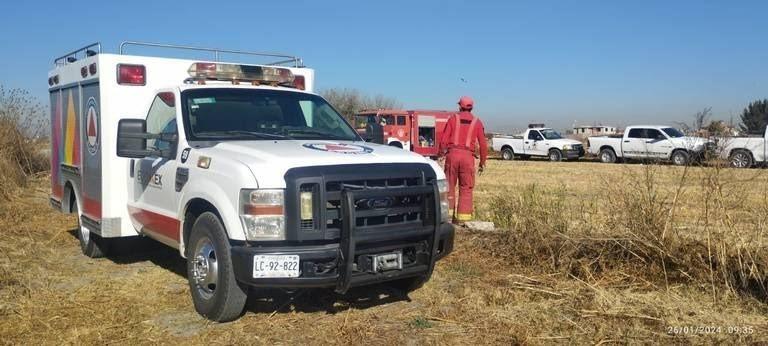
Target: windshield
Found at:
362, 120
550, 134
673, 132
240, 114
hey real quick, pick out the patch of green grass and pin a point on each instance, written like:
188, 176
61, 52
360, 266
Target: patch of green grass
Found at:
420, 322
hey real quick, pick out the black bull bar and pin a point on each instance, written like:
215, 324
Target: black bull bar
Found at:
351, 235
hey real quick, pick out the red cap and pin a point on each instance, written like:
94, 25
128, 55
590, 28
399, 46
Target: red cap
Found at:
466, 102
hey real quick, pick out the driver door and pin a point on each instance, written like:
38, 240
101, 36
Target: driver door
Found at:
534, 143
154, 202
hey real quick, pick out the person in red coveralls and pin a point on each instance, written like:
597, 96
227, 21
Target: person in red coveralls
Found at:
462, 134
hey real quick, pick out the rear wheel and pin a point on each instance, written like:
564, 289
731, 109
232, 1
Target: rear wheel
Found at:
555, 155
507, 154
91, 244
741, 159
681, 158
607, 155
215, 292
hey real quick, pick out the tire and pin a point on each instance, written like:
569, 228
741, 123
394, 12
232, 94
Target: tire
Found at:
681, 158
741, 159
408, 285
91, 244
507, 154
555, 155
216, 293
607, 155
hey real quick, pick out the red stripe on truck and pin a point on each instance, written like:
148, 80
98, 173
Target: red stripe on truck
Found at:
92, 208
154, 222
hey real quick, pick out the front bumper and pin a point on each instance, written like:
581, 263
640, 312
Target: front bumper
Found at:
573, 153
327, 266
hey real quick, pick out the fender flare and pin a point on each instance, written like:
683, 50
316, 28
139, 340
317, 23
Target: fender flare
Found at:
221, 201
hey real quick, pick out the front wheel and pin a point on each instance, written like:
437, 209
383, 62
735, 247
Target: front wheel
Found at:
507, 154
215, 292
555, 155
741, 159
681, 158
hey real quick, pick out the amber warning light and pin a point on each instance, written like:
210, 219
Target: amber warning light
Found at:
274, 76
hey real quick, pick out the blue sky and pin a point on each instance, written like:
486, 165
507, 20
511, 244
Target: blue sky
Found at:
558, 62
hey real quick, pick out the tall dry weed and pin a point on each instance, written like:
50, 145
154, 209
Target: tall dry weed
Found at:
23, 125
655, 223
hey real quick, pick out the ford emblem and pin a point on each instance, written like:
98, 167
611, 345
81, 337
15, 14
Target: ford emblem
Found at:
380, 203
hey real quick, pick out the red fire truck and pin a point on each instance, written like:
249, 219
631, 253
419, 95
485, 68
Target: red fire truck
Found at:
413, 130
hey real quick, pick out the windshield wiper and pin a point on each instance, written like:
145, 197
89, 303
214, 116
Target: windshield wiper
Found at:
242, 133
316, 132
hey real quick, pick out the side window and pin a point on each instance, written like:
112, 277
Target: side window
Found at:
654, 134
535, 135
635, 133
162, 119
401, 119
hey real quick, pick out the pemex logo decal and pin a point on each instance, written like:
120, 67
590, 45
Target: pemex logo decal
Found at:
92, 127
340, 148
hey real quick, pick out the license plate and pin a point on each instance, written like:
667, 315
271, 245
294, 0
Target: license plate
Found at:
276, 266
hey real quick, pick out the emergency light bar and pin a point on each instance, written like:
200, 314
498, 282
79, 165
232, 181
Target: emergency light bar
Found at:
248, 73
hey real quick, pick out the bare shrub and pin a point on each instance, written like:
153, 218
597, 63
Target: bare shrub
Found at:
640, 229
23, 123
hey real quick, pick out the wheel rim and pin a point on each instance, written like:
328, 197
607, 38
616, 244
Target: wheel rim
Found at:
553, 156
85, 234
679, 159
205, 269
506, 155
740, 160
606, 157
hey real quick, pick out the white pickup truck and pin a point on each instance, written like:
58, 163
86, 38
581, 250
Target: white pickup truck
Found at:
538, 141
253, 178
649, 142
744, 152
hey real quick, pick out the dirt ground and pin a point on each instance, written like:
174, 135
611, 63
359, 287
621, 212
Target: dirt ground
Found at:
481, 294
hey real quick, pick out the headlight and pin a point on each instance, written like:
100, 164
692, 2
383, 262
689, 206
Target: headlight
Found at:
262, 215
442, 186
567, 147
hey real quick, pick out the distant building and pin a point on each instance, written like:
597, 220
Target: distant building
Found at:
593, 130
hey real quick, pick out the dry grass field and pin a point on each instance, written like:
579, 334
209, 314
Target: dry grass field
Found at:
586, 253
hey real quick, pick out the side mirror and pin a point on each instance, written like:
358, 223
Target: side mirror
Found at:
132, 138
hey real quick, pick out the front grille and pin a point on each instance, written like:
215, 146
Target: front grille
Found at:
393, 210
376, 211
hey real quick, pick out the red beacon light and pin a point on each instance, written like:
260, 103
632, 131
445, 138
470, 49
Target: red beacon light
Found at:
203, 71
131, 74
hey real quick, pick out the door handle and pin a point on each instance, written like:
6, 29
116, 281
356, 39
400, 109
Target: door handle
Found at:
627, 141
526, 142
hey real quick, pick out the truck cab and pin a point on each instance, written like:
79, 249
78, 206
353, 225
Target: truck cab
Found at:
413, 130
257, 181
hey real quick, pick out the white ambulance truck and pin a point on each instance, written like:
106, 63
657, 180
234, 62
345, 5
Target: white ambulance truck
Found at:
257, 181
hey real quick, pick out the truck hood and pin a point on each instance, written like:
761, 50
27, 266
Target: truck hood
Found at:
269, 160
